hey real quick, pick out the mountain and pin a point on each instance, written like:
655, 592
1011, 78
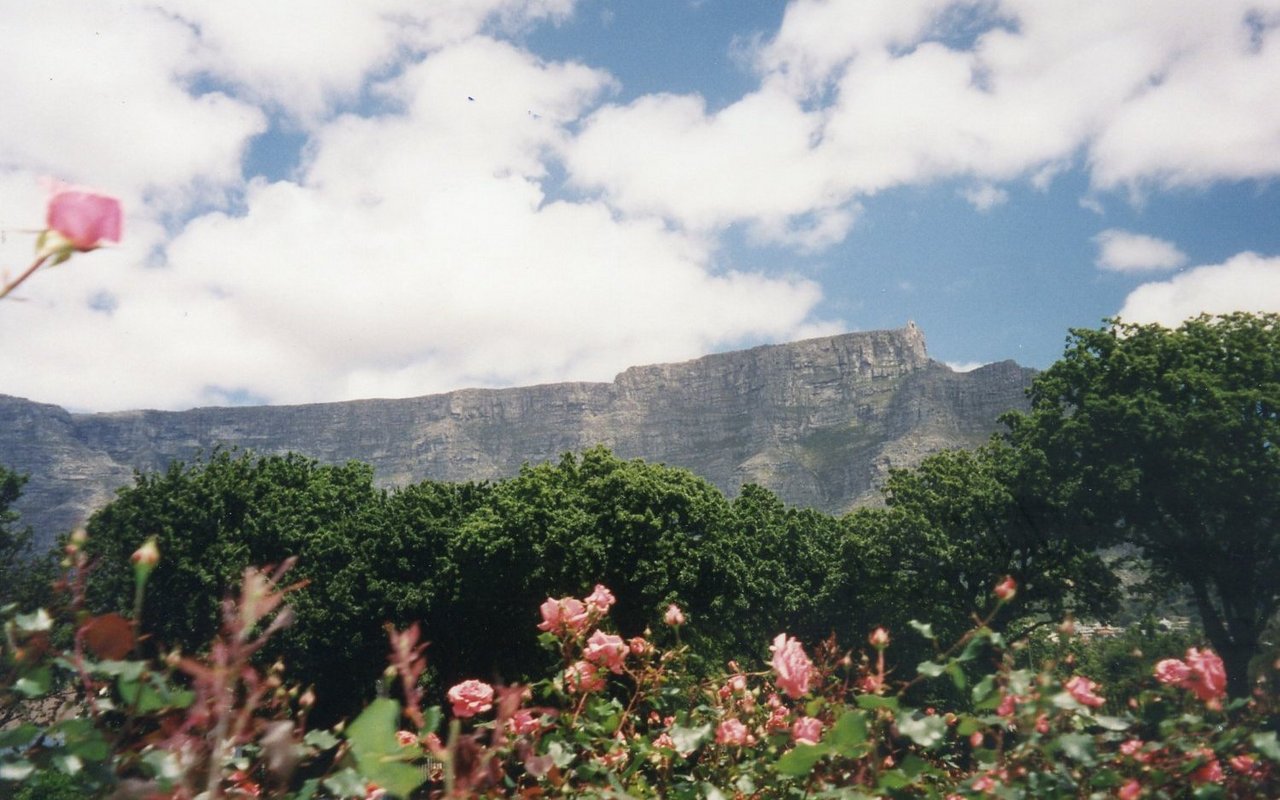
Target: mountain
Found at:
819, 422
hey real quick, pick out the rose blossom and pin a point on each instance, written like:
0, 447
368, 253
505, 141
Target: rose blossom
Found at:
83, 218
1172, 671
674, 616
600, 599
731, 732
806, 730
1211, 771
583, 677
879, 638
1209, 677
406, 738
1130, 791
524, 721
567, 615
638, 645
471, 697
606, 649
794, 668
1081, 688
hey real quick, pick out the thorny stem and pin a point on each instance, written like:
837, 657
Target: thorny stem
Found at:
35, 265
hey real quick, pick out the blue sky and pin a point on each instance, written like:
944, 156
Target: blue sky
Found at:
328, 201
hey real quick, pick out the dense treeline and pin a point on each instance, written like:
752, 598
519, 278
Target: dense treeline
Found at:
473, 561
1164, 440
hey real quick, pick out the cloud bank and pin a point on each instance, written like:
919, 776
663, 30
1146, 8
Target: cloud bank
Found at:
466, 212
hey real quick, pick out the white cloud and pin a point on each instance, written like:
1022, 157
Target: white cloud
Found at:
966, 366
415, 252
855, 98
985, 197
1245, 282
1124, 251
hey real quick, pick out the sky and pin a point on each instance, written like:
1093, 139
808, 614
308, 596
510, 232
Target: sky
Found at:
330, 200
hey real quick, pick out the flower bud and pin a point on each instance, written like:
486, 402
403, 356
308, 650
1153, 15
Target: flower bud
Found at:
1006, 589
879, 638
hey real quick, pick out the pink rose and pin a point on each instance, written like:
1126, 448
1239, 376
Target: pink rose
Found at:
1173, 672
737, 683
1006, 589
1245, 765
879, 638
471, 697
567, 615
806, 730
1209, 676
638, 645
583, 677
83, 218
664, 740
606, 650
406, 738
600, 599
731, 732
1211, 771
794, 668
674, 615
1130, 790
524, 721
1082, 689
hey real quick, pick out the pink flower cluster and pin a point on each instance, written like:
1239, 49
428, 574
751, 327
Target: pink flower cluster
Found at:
794, 669
1201, 673
569, 616
1083, 690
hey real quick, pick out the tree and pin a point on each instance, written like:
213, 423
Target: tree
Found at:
961, 520
15, 541
1167, 438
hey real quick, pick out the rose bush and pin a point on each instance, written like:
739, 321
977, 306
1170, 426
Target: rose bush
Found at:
617, 719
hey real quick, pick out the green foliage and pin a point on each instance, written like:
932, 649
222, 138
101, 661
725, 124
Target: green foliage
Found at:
1167, 439
15, 541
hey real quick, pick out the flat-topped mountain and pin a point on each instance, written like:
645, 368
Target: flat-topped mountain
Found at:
819, 422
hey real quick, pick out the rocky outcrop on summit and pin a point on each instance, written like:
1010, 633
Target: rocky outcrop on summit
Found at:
820, 422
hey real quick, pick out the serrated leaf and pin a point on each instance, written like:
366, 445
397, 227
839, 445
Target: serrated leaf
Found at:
800, 759
924, 730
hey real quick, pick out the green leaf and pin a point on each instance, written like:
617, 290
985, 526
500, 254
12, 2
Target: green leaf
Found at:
874, 701
925, 629
16, 770
800, 759
929, 669
1266, 744
38, 620
320, 739
924, 730
1078, 747
431, 720
892, 779
34, 684
711, 792
347, 783
957, 675
1111, 723
983, 688
164, 765
379, 756
687, 740
18, 736
848, 734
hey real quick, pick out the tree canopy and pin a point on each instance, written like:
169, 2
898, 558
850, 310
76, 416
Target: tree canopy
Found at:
1167, 438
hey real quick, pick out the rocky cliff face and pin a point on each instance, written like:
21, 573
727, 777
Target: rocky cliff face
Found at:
820, 422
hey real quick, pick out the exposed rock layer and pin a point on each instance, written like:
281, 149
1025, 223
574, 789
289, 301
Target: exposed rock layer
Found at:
819, 422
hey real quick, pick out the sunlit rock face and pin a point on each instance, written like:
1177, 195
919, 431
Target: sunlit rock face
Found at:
820, 422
